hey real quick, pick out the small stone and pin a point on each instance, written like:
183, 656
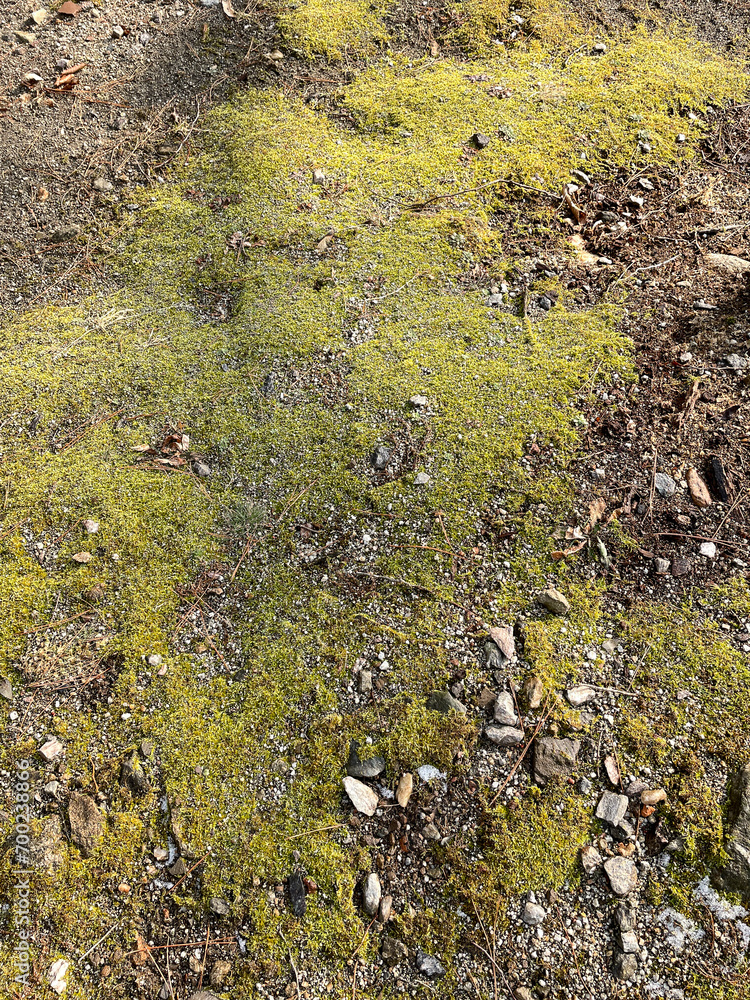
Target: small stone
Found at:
404, 790
364, 681
495, 301
533, 689
431, 832
297, 894
505, 710
736, 362
591, 859
380, 458
734, 876
161, 854
444, 702
118, 31
39, 16
356, 768
81, 557
102, 184
661, 566
502, 636
86, 822
645, 184
554, 601
533, 914
385, 910
699, 493
393, 951
681, 566
429, 966
51, 749
6, 689
91, 527
371, 893
45, 849
625, 966
486, 697
580, 695
612, 769
600, 48
623, 831
418, 402
584, 786
480, 140
362, 797
219, 906
629, 942
664, 485
625, 916
201, 469
220, 972
728, 262
277, 55
421, 479
612, 807
653, 796
622, 875
708, 549
522, 993
504, 736
554, 757
56, 976
178, 869
154, 660
318, 176
27, 37
133, 776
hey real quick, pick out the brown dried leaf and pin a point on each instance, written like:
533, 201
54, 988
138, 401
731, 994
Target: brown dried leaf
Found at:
324, 244
143, 448
576, 211
596, 510
142, 950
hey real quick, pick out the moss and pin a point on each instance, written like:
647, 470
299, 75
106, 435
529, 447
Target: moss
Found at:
335, 28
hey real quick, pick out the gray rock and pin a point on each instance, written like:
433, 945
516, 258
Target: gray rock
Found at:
443, 701
429, 966
623, 831
494, 301
584, 786
219, 906
371, 893
504, 736
45, 848
554, 757
6, 689
522, 993
533, 914
364, 681
664, 485
505, 710
385, 910
102, 184
203, 995
418, 402
624, 966
554, 601
381, 456
393, 951
533, 690
612, 807
581, 695
625, 915
622, 875
629, 942
431, 832
661, 566
635, 788
495, 659
201, 469
86, 822
735, 875
591, 859
480, 140
502, 636
356, 768
133, 776
736, 362
297, 894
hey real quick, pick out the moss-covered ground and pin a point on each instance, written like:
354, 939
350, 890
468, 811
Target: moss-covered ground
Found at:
351, 292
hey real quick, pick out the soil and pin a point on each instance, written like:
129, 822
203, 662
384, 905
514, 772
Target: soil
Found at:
68, 160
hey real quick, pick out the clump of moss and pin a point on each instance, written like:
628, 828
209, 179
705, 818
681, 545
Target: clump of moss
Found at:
335, 28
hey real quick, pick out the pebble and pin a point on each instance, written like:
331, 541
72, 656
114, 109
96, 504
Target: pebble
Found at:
622, 875
600, 48
380, 458
6, 689
86, 822
699, 493
533, 914
393, 951
480, 140
371, 893
201, 469
591, 859
736, 362
318, 177
653, 796
580, 695
418, 402
297, 894
625, 966
505, 710
612, 807
664, 485
681, 566
357, 768
219, 972
118, 31
661, 566
629, 942
429, 966
504, 736
431, 832
708, 549
56, 976
364, 681
554, 601
494, 301
421, 479
502, 636
533, 689
28, 37
404, 790
385, 910
219, 906
51, 749
554, 757
362, 797
444, 702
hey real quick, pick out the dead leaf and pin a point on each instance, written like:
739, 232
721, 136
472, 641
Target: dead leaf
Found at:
576, 211
324, 244
42, 194
82, 557
226, 6
434, 49
142, 950
69, 8
612, 769
143, 448
596, 510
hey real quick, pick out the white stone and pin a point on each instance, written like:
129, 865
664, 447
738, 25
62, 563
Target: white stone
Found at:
57, 974
581, 695
362, 797
51, 749
708, 549
505, 710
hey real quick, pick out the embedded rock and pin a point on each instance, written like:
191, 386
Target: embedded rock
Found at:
362, 797
554, 757
505, 710
554, 601
371, 893
735, 875
444, 702
504, 736
612, 807
622, 875
86, 822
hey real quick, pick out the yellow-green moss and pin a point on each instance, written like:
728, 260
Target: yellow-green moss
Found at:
335, 28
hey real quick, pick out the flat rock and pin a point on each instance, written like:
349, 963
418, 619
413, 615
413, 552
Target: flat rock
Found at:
554, 757
443, 701
533, 691
653, 796
380, 458
699, 493
591, 859
393, 951
371, 893
629, 942
404, 789
219, 906
612, 807
580, 695
418, 402
664, 485
554, 601
502, 636
533, 914
505, 710
220, 971
297, 894
622, 875
735, 875
429, 966
362, 797
51, 749
728, 262
624, 966
356, 768
6, 689
504, 736
86, 822
431, 832
45, 849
